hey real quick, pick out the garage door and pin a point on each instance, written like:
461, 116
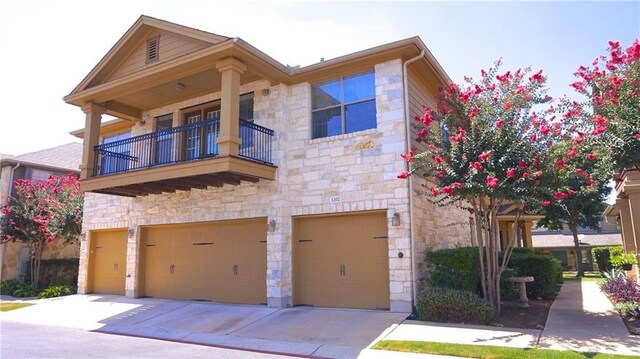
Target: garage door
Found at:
341, 261
109, 252
220, 262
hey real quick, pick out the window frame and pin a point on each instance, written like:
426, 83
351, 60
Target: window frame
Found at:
342, 105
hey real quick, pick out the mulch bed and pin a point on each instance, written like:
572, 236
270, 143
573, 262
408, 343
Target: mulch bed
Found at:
534, 317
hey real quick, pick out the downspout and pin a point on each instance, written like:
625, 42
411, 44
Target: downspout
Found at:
9, 188
407, 148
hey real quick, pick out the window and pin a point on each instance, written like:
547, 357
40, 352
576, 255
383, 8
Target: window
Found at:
164, 140
153, 49
115, 158
344, 105
246, 114
201, 140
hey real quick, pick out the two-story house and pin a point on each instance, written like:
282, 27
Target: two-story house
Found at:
230, 177
39, 165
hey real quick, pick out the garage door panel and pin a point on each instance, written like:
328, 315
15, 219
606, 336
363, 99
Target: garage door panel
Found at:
109, 262
221, 261
342, 261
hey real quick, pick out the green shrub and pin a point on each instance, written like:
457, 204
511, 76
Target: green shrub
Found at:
546, 271
456, 268
602, 257
453, 306
9, 286
523, 250
55, 290
508, 290
25, 290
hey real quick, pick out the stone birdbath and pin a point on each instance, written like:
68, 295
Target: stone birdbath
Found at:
523, 302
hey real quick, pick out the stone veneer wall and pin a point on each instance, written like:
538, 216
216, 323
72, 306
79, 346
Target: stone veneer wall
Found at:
360, 167
435, 227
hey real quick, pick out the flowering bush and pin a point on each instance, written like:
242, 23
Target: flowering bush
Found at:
483, 149
41, 212
621, 290
612, 84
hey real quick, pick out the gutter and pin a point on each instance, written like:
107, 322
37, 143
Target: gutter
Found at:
405, 85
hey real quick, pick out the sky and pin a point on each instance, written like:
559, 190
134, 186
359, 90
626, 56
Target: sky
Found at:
48, 47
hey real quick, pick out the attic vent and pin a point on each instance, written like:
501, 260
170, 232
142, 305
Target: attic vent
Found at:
153, 49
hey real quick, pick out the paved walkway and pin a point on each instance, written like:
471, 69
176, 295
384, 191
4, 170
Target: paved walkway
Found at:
582, 319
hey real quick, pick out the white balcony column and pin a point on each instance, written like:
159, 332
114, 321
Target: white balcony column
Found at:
93, 117
229, 139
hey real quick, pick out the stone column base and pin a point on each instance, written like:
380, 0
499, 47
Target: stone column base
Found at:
274, 302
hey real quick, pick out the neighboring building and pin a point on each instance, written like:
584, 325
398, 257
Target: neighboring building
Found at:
560, 243
39, 165
233, 178
626, 212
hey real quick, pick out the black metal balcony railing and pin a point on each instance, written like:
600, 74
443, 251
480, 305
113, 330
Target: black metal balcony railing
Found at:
190, 142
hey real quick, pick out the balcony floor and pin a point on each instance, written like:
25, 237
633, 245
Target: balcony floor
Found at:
201, 174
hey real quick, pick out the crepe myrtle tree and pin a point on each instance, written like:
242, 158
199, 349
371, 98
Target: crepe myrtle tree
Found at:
576, 176
40, 212
482, 151
612, 85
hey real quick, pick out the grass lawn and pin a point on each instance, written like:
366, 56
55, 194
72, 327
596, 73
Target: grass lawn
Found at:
590, 276
7, 306
485, 351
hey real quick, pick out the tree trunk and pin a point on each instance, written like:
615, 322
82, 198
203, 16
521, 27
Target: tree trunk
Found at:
577, 250
36, 259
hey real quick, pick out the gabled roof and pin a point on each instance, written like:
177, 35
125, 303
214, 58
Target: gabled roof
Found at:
137, 33
64, 158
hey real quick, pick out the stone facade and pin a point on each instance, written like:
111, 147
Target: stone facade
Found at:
435, 227
359, 167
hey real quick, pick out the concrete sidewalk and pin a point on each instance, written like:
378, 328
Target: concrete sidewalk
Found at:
582, 319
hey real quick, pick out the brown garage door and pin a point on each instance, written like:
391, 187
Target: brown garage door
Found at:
108, 255
341, 261
221, 262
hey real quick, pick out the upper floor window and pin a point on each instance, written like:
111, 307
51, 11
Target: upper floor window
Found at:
344, 105
116, 157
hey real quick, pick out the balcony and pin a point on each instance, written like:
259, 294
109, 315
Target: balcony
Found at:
180, 158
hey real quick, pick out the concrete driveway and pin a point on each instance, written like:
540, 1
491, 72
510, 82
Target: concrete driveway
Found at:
322, 332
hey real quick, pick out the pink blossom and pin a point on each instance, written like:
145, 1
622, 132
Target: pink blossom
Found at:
537, 77
560, 195
525, 175
560, 163
473, 113
448, 190
478, 166
434, 191
438, 159
492, 181
499, 123
546, 203
431, 147
521, 164
408, 157
572, 152
511, 173
403, 175
484, 156
592, 156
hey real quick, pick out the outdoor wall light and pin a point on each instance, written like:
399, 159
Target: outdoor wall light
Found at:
272, 226
395, 219
265, 92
